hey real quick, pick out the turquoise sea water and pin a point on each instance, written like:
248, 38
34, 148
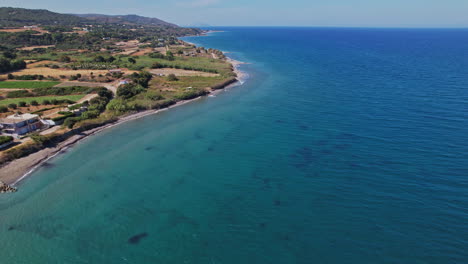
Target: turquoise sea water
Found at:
344, 146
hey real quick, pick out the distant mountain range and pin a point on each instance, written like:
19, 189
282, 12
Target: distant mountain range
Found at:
12, 17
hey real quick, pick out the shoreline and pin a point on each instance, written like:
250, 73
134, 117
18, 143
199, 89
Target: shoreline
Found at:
14, 172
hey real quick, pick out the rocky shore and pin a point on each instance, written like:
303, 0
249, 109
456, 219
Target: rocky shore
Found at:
5, 188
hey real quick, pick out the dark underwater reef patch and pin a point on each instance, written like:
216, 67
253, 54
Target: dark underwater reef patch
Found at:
137, 238
47, 165
149, 148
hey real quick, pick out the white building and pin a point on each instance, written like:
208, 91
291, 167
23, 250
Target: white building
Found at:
17, 125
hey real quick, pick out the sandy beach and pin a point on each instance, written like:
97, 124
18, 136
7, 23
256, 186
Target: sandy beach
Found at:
17, 170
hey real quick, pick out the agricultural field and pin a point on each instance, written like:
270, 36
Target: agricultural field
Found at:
27, 84
56, 73
183, 82
28, 100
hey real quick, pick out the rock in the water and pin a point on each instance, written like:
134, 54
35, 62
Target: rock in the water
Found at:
5, 188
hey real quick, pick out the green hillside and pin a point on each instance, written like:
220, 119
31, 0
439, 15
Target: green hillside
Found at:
14, 17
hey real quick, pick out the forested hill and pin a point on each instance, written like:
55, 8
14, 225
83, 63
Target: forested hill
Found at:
66, 31
127, 19
17, 17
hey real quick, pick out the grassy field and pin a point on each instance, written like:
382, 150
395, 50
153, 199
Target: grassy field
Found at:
27, 84
186, 81
199, 63
28, 100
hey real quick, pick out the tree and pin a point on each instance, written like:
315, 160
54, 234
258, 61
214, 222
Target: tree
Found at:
104, 93
132, 60
3, 109
46, 102
18, 64
142, 78
22, 104
5, 65
12, 106
34, 103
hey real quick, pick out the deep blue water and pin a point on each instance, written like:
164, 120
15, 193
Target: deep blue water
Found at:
344, 146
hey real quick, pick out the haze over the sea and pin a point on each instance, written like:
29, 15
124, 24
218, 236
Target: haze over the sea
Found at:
344, 146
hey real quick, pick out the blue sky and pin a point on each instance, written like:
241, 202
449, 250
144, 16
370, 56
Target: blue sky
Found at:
353, 13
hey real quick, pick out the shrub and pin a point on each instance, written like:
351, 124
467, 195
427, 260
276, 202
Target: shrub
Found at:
129, 90
21, 104
74, 107
90, 114
224, 84
29, 77
156, 65
64, 116
64, 58
71, 121
118, 105
103, 92
39, 139
163, 104
156, 55
3, 109
153, 96
5, 139
46, 102
12, 106
21, 151
34, 103
99, 59
191, 95
62, 90
19, 93
172, 78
